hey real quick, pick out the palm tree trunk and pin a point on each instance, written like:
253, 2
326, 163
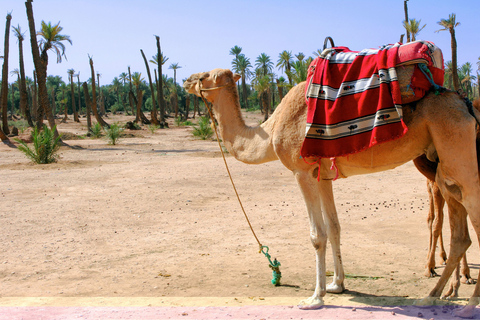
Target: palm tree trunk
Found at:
72, 93
132, 105
456, 82
41, 63
244, 92
161, 98
405, 9
154, 105
23, 86
34, 96
79, 97
88, 107
99, 119
4, 91
54, 106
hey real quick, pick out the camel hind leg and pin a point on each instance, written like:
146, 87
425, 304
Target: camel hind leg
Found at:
453, 132
435, 224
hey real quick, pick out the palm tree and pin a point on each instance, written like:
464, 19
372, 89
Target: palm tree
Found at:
448, 75
123, 77
14, 72
478, 75
175, 67
99, 119
115, 87
300, 70
450, 24
4, 90
153, 113
23, 84
161, 98
300, 56
51, 40
280, 86
154, 59
317, 53
264, 63
284, 63
235, 51
467, 77
71, 73
262, 86
79, 95
242, 66
137, 80
413, 27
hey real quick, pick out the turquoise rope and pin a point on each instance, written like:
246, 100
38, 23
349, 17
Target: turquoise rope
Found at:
274, 265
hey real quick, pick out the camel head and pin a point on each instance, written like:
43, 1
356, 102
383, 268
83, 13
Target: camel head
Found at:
210, 83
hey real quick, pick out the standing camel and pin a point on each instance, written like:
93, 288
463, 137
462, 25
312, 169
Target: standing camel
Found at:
437, 124
435, 224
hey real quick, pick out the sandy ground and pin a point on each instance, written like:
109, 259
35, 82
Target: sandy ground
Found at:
154, 220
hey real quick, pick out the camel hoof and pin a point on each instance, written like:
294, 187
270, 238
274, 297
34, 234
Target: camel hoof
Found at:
466, 279
466, 312
311, 303
335, 288
428, 301
430, 273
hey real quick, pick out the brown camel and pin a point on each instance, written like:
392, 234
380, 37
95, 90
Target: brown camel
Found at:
435, 224
438, 125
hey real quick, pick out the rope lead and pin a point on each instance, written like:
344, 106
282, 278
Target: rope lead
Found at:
275, 265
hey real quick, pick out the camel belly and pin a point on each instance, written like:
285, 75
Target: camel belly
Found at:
384, 156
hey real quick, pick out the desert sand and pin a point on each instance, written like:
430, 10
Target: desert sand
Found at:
154, 220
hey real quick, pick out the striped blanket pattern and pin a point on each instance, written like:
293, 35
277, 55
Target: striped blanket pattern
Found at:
354, 101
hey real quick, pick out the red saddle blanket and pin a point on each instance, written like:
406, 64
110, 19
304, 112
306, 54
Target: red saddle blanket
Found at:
354, 98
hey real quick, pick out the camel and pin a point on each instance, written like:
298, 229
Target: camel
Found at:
438, 125
435, 224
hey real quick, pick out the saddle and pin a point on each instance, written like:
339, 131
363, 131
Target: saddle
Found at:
355, 98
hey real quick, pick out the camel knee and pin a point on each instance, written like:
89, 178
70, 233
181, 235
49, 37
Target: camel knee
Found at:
319, 240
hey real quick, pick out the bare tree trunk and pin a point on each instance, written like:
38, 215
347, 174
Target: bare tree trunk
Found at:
154, 105
54, 106
72, 93
35, 96
132, 105
79, 97
405, 9
456, 82
161, 98
187, 106
99, 119
4, 91
41, 63
89, 104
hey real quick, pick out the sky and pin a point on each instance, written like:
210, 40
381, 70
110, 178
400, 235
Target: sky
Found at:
198, 35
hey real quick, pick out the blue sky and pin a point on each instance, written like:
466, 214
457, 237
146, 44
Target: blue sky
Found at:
198, 35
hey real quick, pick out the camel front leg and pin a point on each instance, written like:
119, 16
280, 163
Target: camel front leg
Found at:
333, 230
318, 235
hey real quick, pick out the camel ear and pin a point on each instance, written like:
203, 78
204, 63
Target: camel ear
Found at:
236, 77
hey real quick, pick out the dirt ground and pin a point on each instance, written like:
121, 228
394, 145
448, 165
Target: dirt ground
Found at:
156, 217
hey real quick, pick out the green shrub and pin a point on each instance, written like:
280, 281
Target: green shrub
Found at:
96, 130
153, 128
203, 130
45, 146
113, 133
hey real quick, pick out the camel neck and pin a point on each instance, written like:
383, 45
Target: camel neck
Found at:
251, 145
